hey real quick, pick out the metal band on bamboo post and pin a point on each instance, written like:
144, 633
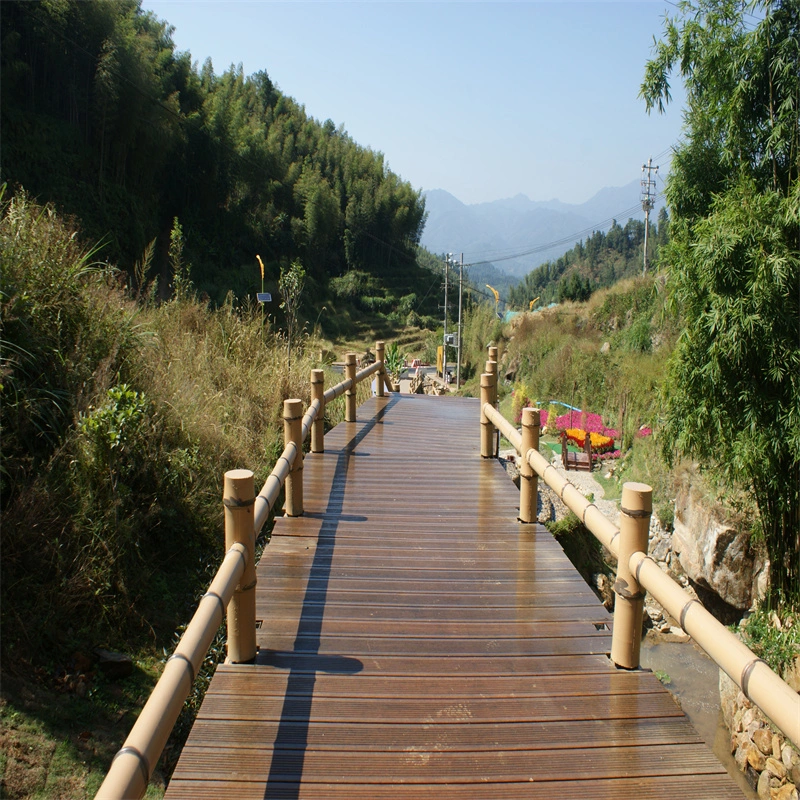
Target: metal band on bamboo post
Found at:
238, 498
318, 426
350, 394
380, 355
293, 433
528, 479
487, 429
634, 528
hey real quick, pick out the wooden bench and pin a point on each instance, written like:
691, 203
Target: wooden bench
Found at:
577, 461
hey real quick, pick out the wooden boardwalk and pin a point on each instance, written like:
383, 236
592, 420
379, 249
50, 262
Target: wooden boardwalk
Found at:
417, 641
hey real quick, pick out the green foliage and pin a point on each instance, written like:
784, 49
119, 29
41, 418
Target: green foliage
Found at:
102, 116
776, 641
117, 425
114, 426
291, 283
181, 280
601, 261
580, 546
394, 360
733, 394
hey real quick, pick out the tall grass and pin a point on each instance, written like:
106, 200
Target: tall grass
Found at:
118, 421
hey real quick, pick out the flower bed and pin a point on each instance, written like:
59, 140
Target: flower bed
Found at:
583, 420
600, 442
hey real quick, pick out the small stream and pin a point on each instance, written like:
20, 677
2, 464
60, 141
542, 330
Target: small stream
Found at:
694, 682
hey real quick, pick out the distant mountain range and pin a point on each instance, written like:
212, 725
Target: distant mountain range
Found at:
499, 231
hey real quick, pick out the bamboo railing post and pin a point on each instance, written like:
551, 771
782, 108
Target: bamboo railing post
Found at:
491, 366
318, 426
634, 528
487, 429
528, 479
293, 433
238, 497
380, 355
350, 394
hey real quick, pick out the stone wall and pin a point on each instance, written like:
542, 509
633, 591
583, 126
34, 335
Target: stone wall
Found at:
767, 758
714, 551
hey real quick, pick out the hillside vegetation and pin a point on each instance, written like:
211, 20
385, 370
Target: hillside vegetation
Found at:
103, 117
606, 356
598, 262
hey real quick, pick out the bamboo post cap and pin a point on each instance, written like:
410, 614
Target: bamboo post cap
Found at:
292, 408
317, 375
638, 498
531, 417
238, 474
238, 485
350, 358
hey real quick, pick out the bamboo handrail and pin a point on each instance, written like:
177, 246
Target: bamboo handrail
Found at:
310, 417
337, 391
591, 516
750, 673
132, 766
367, 371
270, 491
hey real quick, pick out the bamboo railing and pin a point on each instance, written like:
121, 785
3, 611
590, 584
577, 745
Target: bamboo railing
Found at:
636, 571
233, 589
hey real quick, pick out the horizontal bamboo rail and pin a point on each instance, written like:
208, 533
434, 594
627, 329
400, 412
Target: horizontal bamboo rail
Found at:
133, 765
233, 588
751, 674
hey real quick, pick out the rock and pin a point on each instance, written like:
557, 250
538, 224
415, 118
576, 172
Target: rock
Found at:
755, 758
712, 553
775, 768
740, 757
762, 739
794, 772
763, 787
660, 549
606, 348
786, 792
114, 665
792, 674
748, 718
727, 700
786, 756
777, 745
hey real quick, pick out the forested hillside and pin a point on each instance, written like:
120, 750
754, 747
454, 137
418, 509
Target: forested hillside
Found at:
103, 117
599, 262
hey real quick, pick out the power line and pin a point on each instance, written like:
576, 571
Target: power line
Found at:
565, 240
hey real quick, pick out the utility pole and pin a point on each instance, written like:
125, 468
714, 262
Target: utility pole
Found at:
444, 342
648, 201
460, 292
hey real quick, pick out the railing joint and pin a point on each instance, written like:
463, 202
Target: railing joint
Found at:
144, 764
186, 660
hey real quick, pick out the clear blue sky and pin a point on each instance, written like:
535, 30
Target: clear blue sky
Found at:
484, 99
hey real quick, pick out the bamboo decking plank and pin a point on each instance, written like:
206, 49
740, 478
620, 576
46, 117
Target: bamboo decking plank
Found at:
416, 638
